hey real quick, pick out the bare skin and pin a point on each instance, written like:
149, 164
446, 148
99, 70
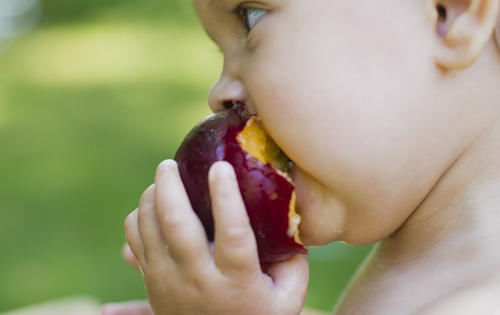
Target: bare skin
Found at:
444, 259
143, 307
394, 138
464, 280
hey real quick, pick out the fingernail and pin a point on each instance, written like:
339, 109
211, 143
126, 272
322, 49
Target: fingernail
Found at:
167, 164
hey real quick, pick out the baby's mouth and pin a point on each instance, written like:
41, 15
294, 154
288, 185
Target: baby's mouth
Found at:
248, 106
271, 153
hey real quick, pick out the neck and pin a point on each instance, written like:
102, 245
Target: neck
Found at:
459, 220
450, 241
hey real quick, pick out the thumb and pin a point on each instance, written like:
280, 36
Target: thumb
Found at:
128, 308
291, 276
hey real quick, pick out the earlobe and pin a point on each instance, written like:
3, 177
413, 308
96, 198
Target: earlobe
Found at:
465, 36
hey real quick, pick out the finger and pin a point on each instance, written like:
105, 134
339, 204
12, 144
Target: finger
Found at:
128, 255
235, 247
291, 276
128, 308
182, 230
149, 229
133, 236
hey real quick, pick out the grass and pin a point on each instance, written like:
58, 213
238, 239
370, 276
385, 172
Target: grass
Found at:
87, 111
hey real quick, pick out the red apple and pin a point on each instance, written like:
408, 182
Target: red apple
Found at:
261, 169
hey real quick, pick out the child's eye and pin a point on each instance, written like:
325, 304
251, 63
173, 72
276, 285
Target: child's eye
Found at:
251, 16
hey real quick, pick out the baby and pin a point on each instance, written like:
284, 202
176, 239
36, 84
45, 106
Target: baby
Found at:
390, 110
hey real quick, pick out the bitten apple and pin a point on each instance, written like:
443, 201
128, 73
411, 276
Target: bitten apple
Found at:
261, 169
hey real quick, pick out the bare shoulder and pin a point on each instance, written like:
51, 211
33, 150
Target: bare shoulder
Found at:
480, 299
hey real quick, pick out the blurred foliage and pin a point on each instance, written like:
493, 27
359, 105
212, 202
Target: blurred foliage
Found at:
64, 11
90, 103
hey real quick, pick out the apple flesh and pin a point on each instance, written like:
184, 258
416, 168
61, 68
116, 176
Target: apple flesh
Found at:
261, 170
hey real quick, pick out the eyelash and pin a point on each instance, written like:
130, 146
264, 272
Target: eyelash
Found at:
239, 12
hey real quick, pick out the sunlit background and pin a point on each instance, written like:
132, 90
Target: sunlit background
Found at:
93, 95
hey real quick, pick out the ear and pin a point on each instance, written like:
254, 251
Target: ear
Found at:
463, 27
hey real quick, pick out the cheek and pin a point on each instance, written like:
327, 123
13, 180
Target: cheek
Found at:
348, 111
329, 98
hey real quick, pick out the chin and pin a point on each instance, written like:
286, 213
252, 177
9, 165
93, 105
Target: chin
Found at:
317, 240
317, 233
323, 214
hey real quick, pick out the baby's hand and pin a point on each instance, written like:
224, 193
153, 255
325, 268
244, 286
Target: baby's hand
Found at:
184, 275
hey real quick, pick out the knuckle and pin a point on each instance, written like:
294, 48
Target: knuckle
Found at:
147, 194
172, 222
129, 220
198, 282
144, 212
237, 236
225, 192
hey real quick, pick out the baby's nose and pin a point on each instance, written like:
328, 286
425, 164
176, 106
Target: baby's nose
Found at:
225, 92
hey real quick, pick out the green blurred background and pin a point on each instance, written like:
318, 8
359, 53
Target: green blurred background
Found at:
91, 101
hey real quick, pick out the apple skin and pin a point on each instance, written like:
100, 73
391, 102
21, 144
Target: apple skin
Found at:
266, 193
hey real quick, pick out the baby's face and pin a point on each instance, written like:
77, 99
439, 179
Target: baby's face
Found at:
348, 95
